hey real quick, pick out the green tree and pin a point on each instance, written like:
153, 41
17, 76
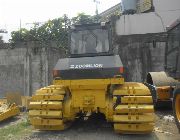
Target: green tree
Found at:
82, 18
20, 35
52, 30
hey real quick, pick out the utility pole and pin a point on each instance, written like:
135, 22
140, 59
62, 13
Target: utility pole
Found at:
97, 2
20, 29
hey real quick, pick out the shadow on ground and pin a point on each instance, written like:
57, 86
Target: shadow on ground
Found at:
95, 128
9, 121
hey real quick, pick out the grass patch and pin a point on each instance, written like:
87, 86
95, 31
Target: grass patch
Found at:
15, 131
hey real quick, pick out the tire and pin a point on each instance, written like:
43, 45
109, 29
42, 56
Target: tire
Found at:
176, 107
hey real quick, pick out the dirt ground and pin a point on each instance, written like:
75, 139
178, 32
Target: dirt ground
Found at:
95, 128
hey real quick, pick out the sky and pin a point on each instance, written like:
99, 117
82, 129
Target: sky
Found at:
30, 11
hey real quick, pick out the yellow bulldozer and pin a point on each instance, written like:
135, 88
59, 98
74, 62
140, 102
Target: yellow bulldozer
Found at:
91, 81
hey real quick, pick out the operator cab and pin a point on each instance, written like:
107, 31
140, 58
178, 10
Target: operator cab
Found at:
90, 40
90, 54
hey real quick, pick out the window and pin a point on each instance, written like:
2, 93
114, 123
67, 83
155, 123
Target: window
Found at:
89, 41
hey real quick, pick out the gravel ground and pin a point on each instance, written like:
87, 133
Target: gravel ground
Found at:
96, 128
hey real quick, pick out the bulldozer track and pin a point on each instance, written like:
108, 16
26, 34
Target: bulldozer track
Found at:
46, 108
133, 109
130, 107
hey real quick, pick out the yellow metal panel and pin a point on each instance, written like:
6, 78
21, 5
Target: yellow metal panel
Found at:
45, 113
134, 109
94, 87
89, 82
133, 128
58, 91
130, 88
130, 92
177, 107
163, 93
45, 105
51, 122
10, 112
136, 99
88, 98
40, 97
134, 118
50, 91
3, 101
43, 90
117, 81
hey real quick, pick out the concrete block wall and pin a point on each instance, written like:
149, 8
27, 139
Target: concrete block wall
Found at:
26, 67
141, 38
141, 54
